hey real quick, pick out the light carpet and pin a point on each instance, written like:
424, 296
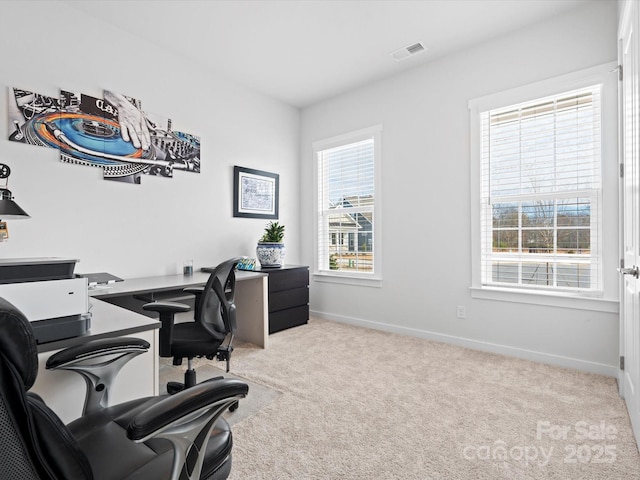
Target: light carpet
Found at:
364, 404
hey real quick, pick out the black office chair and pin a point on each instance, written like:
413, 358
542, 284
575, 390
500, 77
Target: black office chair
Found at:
166, 437
211, 333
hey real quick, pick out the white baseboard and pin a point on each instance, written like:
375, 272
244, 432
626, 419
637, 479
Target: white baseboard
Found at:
540, 357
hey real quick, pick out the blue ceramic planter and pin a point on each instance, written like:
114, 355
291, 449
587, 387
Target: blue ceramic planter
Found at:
270, 254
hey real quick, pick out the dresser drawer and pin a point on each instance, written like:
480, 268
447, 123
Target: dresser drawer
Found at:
288, 298
291, 317
287, 279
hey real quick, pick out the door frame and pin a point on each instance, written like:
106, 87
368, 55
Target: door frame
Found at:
625, 19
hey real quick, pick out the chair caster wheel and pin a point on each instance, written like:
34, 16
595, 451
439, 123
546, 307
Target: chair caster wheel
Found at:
174, 387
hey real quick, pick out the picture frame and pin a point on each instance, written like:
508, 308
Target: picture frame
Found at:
255, 193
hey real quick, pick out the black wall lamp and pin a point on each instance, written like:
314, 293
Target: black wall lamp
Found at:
9, 210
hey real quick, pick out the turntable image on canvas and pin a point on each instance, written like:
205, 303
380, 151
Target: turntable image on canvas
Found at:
112, 133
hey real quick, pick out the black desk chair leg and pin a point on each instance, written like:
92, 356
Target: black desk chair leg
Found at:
189, 378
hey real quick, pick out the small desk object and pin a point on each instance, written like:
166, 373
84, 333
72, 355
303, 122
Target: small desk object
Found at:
99, 278
45, 291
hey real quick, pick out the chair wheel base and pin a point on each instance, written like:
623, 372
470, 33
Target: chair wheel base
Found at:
174, 387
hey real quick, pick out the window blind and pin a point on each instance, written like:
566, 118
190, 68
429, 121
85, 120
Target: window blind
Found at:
346, 180
540, 187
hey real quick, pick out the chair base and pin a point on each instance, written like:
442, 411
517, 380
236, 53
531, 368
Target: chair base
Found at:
189, 381
175, 387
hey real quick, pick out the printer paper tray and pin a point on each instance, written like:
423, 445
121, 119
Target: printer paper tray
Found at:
54, 329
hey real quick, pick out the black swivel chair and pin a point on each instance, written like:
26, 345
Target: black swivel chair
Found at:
211, 333
160, 438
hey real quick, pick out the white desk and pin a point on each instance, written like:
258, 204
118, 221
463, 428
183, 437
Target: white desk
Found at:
252, 298
114, 314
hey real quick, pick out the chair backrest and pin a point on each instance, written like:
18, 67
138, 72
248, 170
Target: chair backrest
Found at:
35, 444
217, 309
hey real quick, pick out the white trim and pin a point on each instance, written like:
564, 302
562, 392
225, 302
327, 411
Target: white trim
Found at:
539, 357
352, 137
551, 299
623, 20
348, 279
544, 88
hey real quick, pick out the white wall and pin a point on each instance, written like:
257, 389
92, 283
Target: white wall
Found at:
426, 152
147, 229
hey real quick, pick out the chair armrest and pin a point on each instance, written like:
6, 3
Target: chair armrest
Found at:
96, 348
167, 311
193, 290
98, 362
212, 395
166, 307
186, 419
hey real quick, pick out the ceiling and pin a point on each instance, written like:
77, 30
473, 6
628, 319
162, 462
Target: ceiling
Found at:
305, 51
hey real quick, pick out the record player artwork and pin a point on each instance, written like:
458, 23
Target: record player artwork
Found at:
112, 133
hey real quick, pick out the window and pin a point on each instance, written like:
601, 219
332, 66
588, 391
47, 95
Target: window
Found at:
347, 172
536, 172
540, 175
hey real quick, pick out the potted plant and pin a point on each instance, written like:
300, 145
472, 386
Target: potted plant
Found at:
270, 249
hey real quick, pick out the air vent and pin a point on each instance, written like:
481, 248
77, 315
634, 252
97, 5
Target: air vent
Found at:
415, 48
406, 52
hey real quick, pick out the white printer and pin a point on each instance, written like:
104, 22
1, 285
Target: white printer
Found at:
47, 293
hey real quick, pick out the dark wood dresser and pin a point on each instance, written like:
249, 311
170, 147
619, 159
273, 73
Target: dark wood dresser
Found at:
288, 296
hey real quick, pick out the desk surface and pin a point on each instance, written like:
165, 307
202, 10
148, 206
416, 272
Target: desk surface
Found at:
160, 283
251, 298
108, 320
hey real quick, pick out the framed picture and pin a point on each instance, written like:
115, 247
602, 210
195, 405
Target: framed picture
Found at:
255, 193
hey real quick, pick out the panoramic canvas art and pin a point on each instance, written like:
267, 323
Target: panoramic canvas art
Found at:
112, 133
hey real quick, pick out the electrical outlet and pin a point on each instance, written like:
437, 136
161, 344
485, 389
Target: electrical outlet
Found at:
461, 312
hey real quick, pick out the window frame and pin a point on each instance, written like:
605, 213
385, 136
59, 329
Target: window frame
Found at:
355, 278
589, 300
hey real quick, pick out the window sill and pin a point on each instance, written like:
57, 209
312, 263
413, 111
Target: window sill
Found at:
547, 299
348, 280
